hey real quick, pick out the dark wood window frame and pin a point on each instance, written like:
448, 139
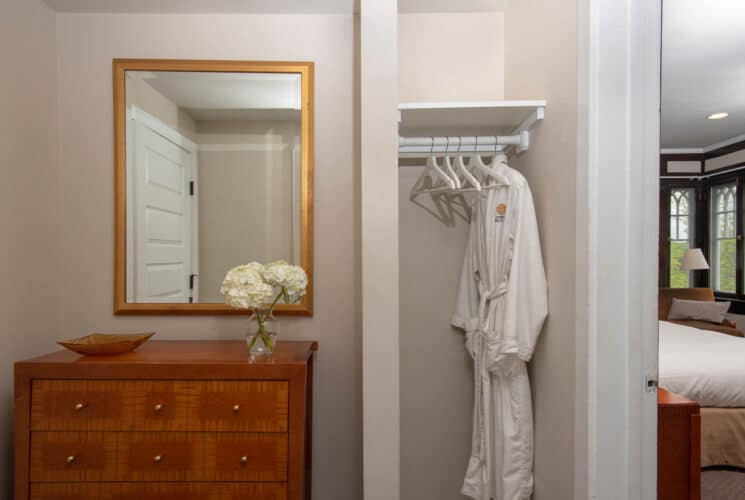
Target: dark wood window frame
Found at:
702, 234
703, 181
699, 238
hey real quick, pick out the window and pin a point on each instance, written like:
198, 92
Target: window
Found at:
682, 206
722, 224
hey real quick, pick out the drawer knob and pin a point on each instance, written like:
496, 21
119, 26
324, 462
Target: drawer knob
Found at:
157, 458
157, 408
70, 459
236, 408
79, 406
244, 459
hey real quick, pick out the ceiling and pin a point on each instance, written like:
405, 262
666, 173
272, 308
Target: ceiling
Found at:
228, 96
703, 72
264, 6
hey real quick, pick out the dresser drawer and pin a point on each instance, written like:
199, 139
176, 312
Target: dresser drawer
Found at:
160, 456
65, 491
66, 405
161, 491
72, 456
245, 406
254, 491
161, 405
245, 457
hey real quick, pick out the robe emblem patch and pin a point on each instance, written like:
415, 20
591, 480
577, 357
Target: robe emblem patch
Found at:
501, 210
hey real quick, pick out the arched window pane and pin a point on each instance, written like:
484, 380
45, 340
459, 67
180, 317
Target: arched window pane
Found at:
683, 205
730, 201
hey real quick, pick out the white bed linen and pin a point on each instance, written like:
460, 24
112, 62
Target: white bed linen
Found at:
705, 366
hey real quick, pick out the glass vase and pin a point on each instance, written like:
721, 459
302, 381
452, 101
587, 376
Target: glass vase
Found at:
261, 337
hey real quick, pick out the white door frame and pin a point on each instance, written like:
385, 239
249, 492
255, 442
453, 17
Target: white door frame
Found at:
617, 227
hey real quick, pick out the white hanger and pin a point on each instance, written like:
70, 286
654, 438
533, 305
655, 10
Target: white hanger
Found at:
468, 177
451, 172
489, 171
443, 183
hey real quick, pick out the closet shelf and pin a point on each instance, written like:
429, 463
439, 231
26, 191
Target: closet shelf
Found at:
466, 126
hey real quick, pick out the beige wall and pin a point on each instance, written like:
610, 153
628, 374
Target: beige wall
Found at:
451, 57
139, 93
541, 63
29, 199
245, 173
441, 57
85, 158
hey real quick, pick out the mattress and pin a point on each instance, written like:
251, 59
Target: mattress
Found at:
705, 366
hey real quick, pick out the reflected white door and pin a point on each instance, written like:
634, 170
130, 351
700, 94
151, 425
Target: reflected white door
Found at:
163, 218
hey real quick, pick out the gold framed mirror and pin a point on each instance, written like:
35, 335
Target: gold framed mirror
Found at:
213, 168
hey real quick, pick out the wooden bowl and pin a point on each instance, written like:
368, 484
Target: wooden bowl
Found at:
106, 344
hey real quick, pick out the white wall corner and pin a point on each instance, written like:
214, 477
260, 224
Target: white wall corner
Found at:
379, 209
617, 206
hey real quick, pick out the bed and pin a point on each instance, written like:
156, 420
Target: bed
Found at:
709, 368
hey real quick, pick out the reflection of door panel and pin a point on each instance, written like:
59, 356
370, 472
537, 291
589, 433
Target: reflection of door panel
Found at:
163, 225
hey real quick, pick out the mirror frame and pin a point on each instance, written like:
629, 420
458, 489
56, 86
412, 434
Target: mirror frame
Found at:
120, 67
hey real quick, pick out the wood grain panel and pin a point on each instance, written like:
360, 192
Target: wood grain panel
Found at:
66, 405
65, 491
245, 457
241, 406
254, 491
160, 456
73, 456
161, 491
161, 405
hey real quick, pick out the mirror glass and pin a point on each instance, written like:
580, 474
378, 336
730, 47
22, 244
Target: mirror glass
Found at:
213, 179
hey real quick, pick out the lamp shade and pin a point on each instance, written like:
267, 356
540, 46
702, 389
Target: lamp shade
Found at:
692, 260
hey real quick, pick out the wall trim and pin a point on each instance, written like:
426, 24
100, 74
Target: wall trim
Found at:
721, 150
705, 149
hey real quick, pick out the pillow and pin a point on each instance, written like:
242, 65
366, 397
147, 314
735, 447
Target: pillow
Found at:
712, 312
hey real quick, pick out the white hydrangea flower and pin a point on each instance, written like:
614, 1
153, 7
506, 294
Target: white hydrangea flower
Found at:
292, 278
244, 287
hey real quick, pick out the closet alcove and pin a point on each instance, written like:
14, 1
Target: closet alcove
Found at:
466, 74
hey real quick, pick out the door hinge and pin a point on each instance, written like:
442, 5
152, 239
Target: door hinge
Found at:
651, 385
191, 188
191, 281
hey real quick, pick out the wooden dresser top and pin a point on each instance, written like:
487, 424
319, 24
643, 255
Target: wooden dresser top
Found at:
167, 358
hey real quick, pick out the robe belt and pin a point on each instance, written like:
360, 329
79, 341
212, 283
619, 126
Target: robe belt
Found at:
486, 298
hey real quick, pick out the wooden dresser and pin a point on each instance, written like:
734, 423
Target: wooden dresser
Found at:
678, 447
179, 420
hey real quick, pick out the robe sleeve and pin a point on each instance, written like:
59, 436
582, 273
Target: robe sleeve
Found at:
527, 302
466, 311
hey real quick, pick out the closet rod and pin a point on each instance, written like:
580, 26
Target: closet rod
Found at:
417, 147
460, 141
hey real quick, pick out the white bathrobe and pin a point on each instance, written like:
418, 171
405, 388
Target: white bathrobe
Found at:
502, 305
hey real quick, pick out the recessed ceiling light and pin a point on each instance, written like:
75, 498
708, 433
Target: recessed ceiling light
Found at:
717, 116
